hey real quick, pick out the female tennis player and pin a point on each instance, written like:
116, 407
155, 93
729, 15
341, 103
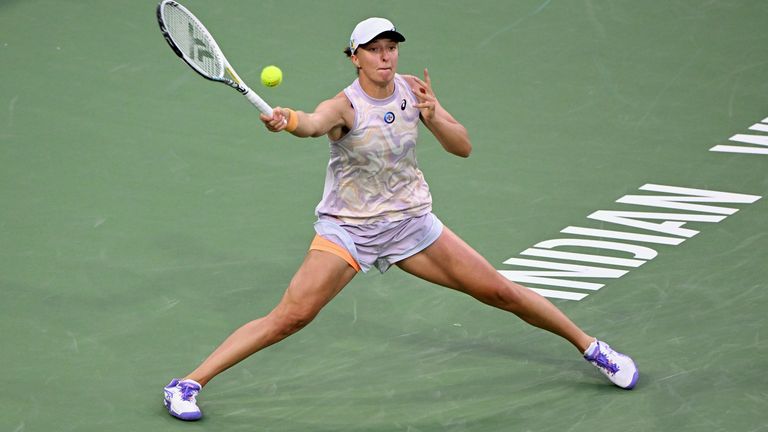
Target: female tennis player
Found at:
376, 211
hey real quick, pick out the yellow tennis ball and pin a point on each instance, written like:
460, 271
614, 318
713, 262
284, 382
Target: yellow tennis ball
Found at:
271, 76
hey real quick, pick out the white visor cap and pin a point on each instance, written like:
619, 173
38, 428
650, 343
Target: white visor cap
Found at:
367, 30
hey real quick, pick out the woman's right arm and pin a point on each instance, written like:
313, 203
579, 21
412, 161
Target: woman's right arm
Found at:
328, 115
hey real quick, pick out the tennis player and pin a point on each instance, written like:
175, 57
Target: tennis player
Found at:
376, 211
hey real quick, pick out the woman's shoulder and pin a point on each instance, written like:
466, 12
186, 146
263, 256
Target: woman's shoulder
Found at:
341, 101
337, 102
408, 83
407, 79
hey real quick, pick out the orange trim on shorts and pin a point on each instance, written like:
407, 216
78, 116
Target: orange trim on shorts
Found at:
323, 244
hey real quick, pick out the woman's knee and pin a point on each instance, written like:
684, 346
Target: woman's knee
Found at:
288, 320
504, 295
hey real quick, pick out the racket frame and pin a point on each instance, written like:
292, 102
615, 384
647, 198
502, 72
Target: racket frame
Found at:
235, 81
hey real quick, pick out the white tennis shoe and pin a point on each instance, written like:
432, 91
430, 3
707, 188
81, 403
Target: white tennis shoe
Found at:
180, 399
619, 368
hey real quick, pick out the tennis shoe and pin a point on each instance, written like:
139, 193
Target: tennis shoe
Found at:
180, 399
619, 368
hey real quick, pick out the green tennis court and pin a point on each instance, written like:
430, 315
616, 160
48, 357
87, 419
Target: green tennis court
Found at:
145, 213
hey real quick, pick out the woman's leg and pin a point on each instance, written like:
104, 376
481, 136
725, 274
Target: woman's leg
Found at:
318, 280
452, 263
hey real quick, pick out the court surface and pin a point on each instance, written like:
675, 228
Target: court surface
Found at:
145, 213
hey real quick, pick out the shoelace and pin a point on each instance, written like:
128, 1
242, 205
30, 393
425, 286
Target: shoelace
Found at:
188, 392
602, 361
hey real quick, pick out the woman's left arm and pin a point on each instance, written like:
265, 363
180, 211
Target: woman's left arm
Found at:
451, 134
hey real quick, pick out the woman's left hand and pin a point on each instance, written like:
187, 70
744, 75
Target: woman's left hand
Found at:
423, 90
451, 134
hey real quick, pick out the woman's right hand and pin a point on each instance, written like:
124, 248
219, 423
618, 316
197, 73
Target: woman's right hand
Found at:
278, 121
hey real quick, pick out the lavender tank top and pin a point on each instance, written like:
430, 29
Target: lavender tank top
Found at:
372, 174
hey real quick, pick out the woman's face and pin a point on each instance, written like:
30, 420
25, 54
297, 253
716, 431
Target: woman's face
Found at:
377, 60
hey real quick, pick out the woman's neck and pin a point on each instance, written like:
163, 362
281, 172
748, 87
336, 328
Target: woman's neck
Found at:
377, 90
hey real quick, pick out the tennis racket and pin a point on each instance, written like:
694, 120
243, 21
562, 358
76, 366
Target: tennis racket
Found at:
191, 41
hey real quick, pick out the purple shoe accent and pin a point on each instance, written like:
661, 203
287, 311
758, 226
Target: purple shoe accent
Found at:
601, 360
634, 380
188, 389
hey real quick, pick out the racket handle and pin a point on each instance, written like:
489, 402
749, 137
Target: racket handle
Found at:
258, 102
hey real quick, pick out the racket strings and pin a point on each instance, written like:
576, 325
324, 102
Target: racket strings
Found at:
194, 41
